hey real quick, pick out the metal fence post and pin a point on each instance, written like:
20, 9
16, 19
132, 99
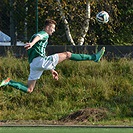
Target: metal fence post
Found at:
12, 25
36, 15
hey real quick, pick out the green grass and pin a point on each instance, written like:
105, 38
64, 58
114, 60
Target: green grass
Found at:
63, 130
107, 84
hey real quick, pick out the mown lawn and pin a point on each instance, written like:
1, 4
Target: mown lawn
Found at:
63, 130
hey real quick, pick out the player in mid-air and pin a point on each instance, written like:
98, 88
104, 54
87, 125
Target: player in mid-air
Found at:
39, 61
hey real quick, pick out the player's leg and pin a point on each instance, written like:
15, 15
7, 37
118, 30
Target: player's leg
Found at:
20, 86
14, 84
94, 57
35, 73
64, 56
33, 76
31, 85
81, 57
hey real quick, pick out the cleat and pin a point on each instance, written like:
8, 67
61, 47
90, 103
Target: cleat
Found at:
5, 82
99, 54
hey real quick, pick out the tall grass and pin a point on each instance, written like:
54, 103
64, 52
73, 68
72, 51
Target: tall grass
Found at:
107, 84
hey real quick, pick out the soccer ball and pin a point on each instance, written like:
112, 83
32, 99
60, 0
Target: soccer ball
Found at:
102, 17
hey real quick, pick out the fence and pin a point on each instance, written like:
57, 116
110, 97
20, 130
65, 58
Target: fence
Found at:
14, 19
111, 51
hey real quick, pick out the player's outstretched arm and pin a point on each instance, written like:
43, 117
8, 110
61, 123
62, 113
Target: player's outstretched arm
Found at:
29, 45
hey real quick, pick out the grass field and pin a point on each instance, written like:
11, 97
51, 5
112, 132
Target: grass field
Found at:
86, 93
64, 130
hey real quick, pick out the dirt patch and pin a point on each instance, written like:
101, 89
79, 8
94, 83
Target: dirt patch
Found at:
86, 115
83, 117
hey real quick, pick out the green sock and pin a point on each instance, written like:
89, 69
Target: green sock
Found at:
18, 86
82, 57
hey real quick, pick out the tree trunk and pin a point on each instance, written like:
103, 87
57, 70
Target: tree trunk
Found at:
85, 27
66, 24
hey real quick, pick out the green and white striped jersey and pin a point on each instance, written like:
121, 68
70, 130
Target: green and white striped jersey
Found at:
38, 49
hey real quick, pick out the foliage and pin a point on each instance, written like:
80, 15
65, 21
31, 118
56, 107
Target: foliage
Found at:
117, 32
81, 85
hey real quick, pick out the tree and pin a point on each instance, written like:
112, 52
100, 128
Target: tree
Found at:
83, 29
66, 24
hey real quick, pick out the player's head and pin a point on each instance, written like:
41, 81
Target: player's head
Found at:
49, 26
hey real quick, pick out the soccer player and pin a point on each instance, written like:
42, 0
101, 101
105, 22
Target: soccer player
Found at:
39, 61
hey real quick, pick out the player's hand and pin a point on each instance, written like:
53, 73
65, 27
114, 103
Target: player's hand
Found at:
54, 74
28, 46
